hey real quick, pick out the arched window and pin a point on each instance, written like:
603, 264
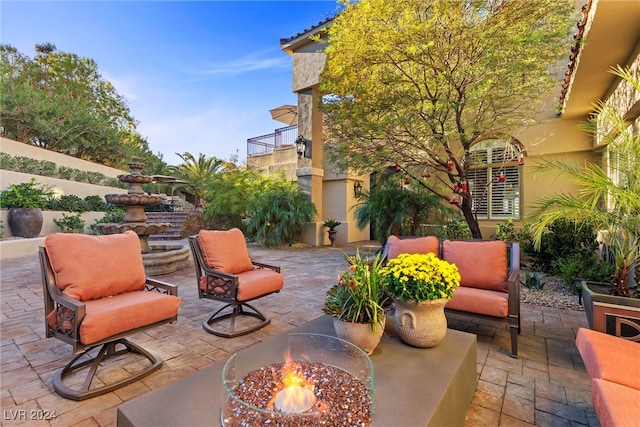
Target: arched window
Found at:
494, 179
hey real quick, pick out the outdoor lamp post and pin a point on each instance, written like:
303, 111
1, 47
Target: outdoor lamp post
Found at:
301, 146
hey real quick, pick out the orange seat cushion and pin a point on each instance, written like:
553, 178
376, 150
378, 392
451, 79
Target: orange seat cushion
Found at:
480, 301
225, 250
419, 245
107, 317
609, 357
91, 267
251, 284
615, 404
481, 264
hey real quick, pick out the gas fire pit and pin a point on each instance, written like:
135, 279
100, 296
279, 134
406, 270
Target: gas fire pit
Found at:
316, 380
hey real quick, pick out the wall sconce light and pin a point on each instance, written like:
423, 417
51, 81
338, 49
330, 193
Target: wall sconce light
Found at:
357, 189
301, 146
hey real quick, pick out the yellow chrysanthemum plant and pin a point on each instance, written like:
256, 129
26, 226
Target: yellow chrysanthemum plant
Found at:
420, 277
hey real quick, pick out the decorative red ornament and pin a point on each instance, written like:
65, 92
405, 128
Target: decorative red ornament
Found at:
450, 164
501, 177
406, 180
454, 200
463, 186
456, 187
397, 166
521, 159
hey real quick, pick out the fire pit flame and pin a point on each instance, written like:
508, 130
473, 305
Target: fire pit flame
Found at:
295, 399
297, 394
322, 381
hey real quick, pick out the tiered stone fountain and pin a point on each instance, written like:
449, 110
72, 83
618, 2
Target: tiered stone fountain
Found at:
158, 259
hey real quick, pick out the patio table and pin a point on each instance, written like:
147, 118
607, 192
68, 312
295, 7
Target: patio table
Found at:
412, 386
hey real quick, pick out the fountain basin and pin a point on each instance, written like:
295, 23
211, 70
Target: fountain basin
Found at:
165, 259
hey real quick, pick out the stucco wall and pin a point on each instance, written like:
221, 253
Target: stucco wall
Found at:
59, 186
16, 148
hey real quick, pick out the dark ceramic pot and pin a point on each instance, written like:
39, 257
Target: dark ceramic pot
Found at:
25, 222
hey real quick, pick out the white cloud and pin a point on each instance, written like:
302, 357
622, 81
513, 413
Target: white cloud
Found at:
253, 62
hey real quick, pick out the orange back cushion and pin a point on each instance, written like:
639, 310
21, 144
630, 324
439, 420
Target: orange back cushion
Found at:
420, 245
92, 267
225, 250
481, 264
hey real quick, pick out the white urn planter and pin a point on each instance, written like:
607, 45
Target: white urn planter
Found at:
422, 324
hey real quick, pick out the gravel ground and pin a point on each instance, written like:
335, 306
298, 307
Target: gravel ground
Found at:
554, 293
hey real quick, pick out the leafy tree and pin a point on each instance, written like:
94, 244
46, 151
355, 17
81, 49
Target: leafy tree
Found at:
278, 215
198, 173
229, 195
417, 82
392, 209
60, 101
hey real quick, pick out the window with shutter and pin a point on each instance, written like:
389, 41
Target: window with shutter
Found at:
494, 180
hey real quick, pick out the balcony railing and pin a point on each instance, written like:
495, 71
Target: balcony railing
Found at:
265, 144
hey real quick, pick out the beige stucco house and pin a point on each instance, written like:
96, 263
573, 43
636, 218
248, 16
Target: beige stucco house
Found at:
608, 34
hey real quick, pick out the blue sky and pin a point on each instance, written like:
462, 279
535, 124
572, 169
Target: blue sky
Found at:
199, 76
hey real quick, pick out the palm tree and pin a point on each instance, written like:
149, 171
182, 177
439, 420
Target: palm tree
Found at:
609, 195
197, 172
390, 209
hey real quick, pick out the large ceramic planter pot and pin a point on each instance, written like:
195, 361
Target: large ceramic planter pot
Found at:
25, 222
332, 236
614, 315
360, 334
421, 324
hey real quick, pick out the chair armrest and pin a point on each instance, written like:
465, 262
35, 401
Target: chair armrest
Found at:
513, 284
160, 286
61, 299
208, 271
267, 266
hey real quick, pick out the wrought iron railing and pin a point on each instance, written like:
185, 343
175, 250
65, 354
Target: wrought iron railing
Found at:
267, 143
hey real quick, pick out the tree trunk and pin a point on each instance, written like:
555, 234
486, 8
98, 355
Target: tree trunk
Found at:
620, 282
472, 222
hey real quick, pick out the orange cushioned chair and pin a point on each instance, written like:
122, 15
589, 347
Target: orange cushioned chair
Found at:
226, 273
95, 294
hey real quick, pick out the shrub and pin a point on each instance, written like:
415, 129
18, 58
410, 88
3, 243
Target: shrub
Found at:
65, 172
279, 214
195, 222
507, 232
563, 239
80, 175
457, 229
25, 195
583, 265
67, 203
70, 223
96, 204
113, 215
7, 162
94, 177
47, 168
27, 165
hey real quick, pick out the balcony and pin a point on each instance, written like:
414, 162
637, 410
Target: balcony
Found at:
265, 144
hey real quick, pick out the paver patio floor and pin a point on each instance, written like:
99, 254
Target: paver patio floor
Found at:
546, 386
